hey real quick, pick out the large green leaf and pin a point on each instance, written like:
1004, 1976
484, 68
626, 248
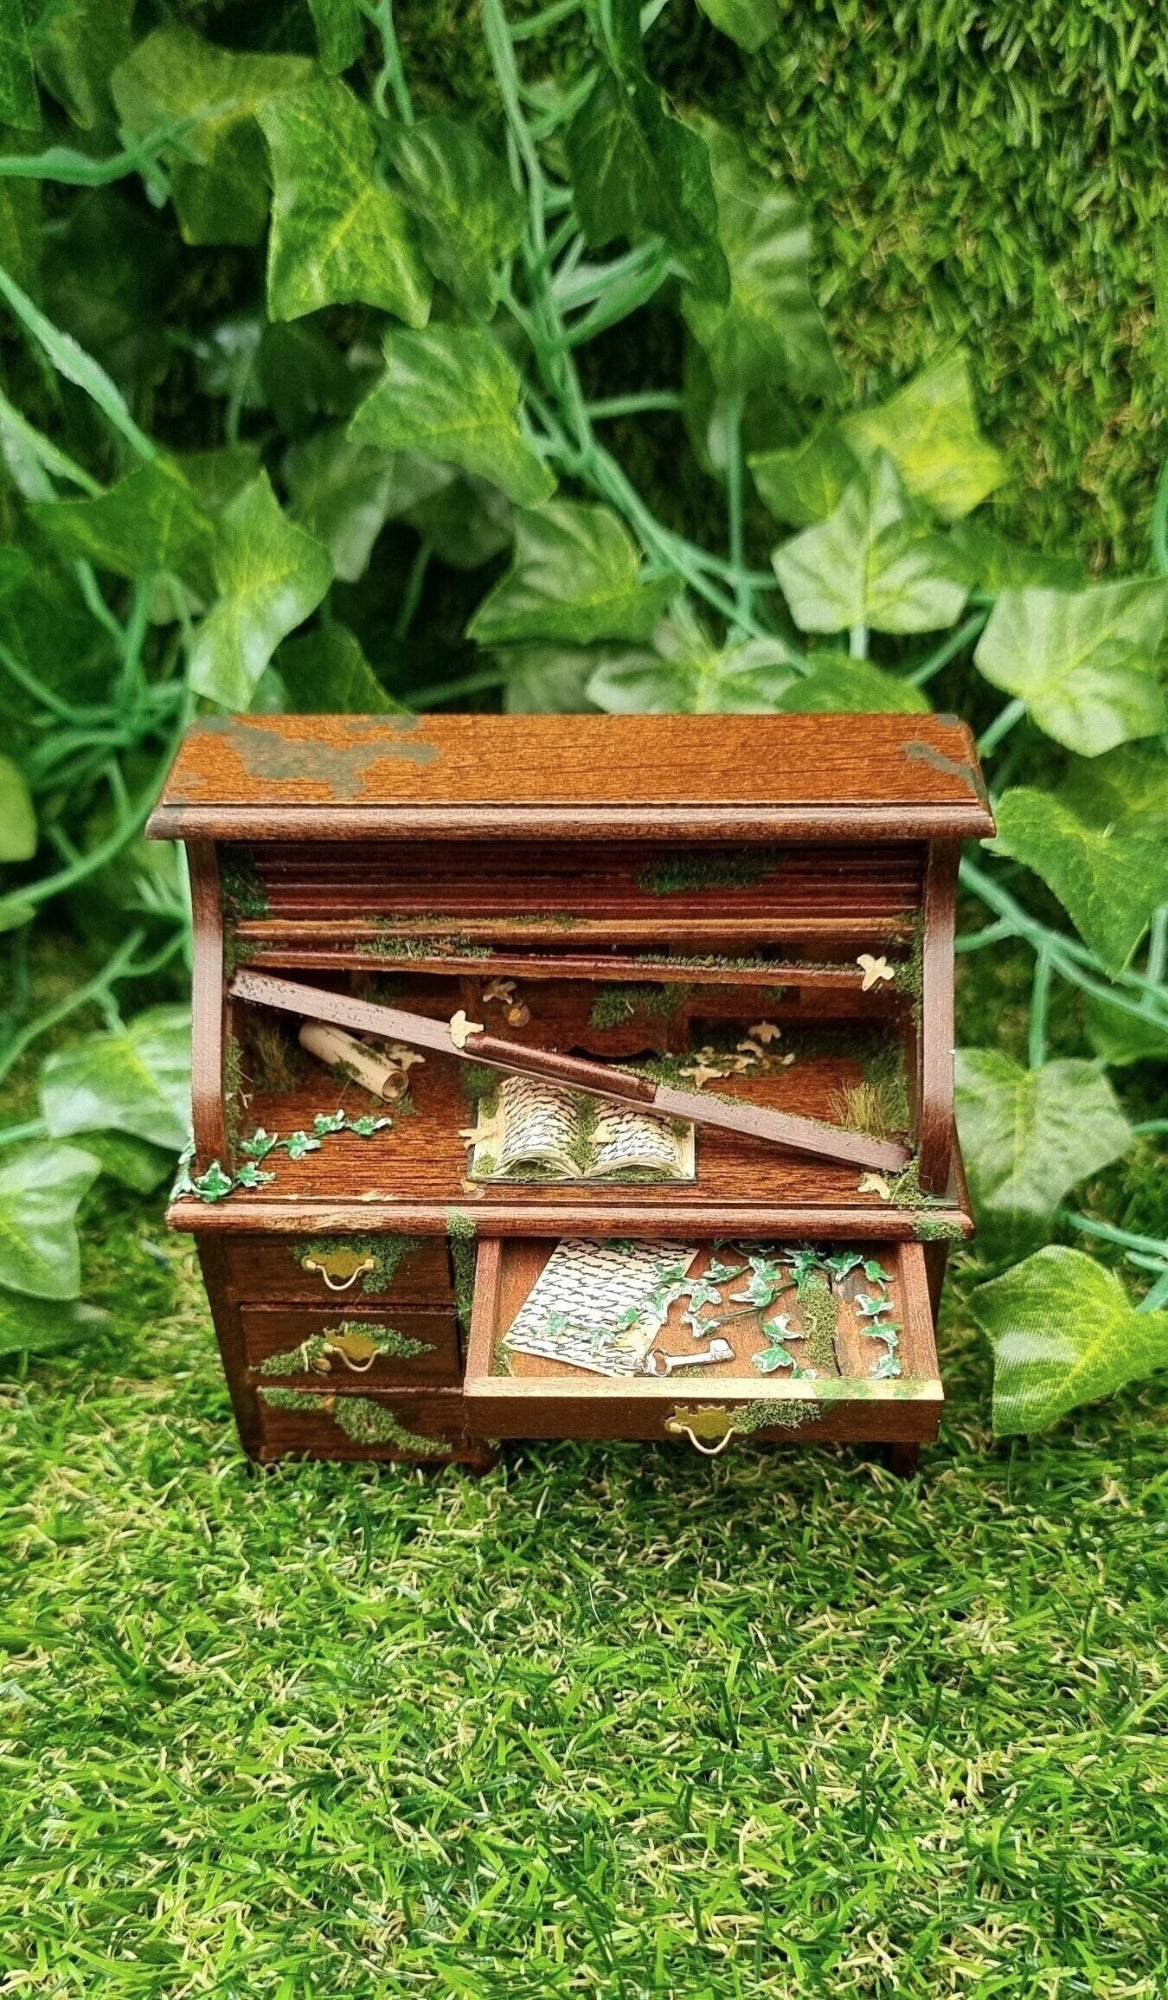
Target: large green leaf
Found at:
18, 91
750, 23
470, 216
453, 392
338, 237
687, 673
1029, 1135
18, 827
875, 561
990, 562
577, 577
465, 521
77, 44
930, 429
805, 483
1109, 883
769, 333
549, 680
1083, 661
21, 222
1121, 1038
150, 521
1063, 1333
270, 575
43, 1326
340, 33
40, 1189
839, 685
219, 177
326, 673
136, 1080
344, 492
638, 172
1126, 789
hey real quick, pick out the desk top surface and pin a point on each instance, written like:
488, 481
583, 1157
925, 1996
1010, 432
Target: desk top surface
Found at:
575, 776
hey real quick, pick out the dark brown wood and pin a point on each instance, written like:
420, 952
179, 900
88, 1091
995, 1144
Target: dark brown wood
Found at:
757, 777
903, 1460
748, 1121
208, 1101
731, 869
935, 1087
277, 1330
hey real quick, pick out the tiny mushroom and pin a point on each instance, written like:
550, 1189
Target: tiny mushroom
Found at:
874, 970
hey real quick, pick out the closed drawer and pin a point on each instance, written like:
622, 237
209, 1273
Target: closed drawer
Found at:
370, 1348
428, 1425
841, 1346
381, 1268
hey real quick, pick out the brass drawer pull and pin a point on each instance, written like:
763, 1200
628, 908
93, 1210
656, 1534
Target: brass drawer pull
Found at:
340, 1284
711, 1422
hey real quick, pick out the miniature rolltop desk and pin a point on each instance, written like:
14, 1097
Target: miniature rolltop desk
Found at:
756, 908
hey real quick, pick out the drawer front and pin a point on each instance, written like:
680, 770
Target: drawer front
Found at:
427, 1426
313, 1346
839, 1345
351, 1271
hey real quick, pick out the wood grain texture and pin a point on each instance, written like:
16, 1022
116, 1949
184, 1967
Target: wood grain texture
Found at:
207, 1008
935, 1123
656, 777
272, 1268
229, 1334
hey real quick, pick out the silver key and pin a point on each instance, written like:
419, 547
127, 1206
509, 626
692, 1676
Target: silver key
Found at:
718, 1350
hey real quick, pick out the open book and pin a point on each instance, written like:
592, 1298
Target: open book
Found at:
546, 1132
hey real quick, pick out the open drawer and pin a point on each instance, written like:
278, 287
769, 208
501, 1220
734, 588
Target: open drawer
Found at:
827, 1340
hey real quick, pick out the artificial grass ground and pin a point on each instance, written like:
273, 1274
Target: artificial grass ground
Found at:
611, 1720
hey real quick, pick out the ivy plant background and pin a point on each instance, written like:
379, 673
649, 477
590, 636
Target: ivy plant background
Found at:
323, 398
724, 356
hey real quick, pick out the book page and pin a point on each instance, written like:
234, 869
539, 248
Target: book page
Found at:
634, 1139
599, 1306
537, 1122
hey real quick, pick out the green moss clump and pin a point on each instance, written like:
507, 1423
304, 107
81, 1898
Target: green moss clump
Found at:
787, 1416
386, 1252
616, 1005
244, 895
707, 869
460, 1231
820, 1315
940, 1229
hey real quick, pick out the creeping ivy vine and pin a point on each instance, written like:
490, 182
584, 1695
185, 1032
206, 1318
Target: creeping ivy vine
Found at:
409, 481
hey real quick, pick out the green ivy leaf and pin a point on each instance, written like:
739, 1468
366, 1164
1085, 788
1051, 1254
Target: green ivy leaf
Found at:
338, 237
340, 33
838, 685
453, 392
133, 1163
750, 23
992, 563
42, 1326
1063, 1333
1126, 789
149, 522
465, 521
326, 673
14, 914
638, 172
1029, 1135
135, 1080
270, 575
576, 576
687, 674
805, 483
40, 1190
18, 827
76, 45
769, 332
549, 680
929, 428
21, 221
1121, 1038
343, 493
875, 561
18, 92
1083, 661
1109, 883
219, 179
470, 217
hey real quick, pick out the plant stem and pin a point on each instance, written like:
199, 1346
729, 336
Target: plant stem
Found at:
71, 361
1039, 1000
454, 690
11, 1135
1110, 1234
635, 405
392, 76
95, 989
858, 642
1000, 726
412, 594
1160, 523
732, 436
538, 24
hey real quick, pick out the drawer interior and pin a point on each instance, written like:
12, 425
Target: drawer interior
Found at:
837, 1342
